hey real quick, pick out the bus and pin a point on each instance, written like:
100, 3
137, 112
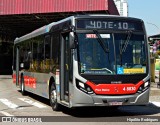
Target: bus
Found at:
85, 60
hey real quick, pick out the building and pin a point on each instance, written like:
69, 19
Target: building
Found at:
122, 6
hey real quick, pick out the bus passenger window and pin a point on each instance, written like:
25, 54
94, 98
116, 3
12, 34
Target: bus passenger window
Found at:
55, 53
47, 54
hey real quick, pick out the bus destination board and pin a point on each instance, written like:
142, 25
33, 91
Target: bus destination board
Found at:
109, 24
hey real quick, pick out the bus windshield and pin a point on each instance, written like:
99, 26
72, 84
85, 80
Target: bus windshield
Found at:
126, 53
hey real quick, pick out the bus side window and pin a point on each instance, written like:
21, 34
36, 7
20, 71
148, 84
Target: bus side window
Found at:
47, 59
47, 47
14, 57
55, 43
35, 48
27, 56
41, 54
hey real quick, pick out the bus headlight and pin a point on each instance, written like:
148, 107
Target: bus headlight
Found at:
84, 87
146, 84
81, 84
143, 87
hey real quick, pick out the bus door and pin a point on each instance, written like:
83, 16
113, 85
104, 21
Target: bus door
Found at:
64, 67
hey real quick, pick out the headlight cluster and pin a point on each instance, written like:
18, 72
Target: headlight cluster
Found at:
84, 87
143, 87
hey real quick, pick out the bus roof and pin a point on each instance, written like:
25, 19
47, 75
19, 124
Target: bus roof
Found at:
106, 16
40, 31
46, 28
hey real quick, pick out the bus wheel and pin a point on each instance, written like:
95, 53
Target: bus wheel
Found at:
53, 98
22, 86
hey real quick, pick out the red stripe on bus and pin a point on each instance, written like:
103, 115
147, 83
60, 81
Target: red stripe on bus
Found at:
115, 89
14, 78
30, 81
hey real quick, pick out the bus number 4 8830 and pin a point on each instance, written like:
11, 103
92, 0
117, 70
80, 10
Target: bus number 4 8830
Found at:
129, 88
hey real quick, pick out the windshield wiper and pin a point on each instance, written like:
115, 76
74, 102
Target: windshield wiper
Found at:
101, 42
126, 42
103, 45
123, 49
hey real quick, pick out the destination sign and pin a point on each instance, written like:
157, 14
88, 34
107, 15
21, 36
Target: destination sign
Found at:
109, 24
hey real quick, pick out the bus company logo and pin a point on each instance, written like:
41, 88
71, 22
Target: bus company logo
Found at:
116, 89
21, 119
6, 119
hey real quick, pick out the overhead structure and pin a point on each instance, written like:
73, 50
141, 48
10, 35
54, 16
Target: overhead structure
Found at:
18, 17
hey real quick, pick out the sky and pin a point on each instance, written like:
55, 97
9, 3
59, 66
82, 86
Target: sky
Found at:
148, 11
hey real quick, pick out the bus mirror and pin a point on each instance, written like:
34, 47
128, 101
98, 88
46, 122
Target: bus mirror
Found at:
67, 29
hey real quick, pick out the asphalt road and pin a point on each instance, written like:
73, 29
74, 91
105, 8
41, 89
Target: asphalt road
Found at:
15, 107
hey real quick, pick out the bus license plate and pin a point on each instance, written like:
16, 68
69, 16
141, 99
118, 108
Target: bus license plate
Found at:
115, 103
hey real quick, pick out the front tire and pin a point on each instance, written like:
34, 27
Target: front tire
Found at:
53, 98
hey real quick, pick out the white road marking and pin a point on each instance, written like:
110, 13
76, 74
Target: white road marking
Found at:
32, 102
5, 113
156, 104
9, 103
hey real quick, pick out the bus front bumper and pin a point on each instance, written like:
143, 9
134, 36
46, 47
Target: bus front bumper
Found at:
82, 99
